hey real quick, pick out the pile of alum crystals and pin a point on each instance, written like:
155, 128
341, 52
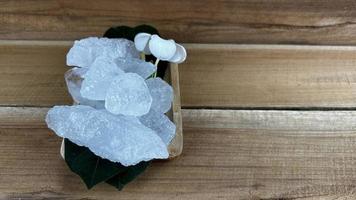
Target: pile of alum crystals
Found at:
120, 114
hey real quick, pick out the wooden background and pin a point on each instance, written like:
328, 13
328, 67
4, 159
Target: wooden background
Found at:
261, 120
195, 21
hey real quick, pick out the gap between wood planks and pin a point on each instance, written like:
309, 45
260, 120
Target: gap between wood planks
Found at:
33, 117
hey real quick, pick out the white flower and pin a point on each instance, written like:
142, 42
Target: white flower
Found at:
167, 50
179, 55
141, 42
161, 48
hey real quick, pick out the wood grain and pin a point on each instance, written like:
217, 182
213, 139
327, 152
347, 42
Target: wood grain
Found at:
208, 21
22, 117
219, 76
33, 74
176, 145
268, 76
252, 155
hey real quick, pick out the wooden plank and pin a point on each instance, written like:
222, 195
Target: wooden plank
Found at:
227, 155
241, 76
22, 117
234, 76
32, 73
208, 21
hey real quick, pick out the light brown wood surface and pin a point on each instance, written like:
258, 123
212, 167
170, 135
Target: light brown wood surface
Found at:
22, 117
261, 122
228, 155
235, 76
176, 145
199, 21
241, 76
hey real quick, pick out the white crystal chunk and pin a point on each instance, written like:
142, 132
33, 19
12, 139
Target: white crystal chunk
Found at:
161, 124
84, 51
80, 55
98, 78
115, 137
162, 94
138, 66
128, 94
74, 80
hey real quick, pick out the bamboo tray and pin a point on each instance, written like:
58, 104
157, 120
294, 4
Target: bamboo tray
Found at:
176, 146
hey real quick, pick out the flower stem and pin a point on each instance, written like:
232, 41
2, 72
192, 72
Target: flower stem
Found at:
156, 64
142, 56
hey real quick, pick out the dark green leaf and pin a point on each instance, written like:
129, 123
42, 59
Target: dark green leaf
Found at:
120, 32
91, 168
128, 32
125, 177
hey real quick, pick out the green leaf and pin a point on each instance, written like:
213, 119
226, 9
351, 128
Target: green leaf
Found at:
125, 177
91, 168
120, 32
128, 32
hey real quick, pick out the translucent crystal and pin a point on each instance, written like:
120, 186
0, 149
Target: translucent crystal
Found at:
161, 124
79, 55
84, 51
162, 94
98, 78
74, 79
118, 48
134, 65
115, 137
128, 94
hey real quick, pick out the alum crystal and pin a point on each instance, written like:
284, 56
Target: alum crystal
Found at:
98, 78
128, 94
117, 138
134, 65
84, 51
162, 94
